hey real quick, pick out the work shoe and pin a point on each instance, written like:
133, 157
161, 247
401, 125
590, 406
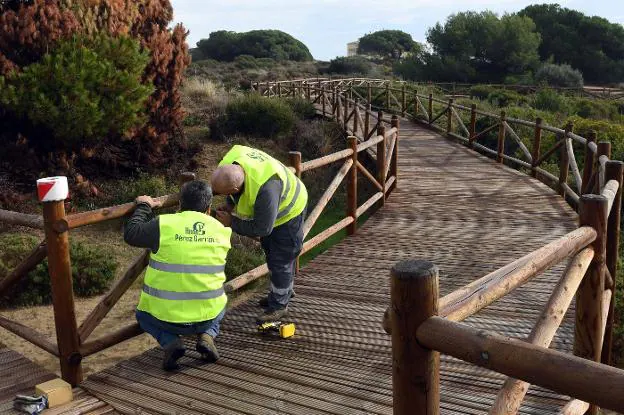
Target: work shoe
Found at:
264, 301
173, 351
206, 347
272, 315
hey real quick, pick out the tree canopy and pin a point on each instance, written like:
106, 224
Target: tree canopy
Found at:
389, 44
482, 46
592, 45
226, 46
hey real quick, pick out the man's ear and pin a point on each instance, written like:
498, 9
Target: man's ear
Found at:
208, 211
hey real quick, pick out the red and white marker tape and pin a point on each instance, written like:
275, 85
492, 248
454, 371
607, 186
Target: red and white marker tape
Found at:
52, 189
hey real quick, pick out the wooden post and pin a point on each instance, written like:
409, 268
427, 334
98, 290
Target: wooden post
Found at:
537, 142
588, 327
394, 169
414, 296
614, 171
387, 96
403, 101
352, 187
501, 137
295, 161
449, 120
473, 124
356, 111
346, 112
381, 160
323, 100
268, 89
430, 108
416, 103
369, 93
564, 161
186, 177
59, 267
279, 90
588, 163
367, 121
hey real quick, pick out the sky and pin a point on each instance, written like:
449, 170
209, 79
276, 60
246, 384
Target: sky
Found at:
326, 26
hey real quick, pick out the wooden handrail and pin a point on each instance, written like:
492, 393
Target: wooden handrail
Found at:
114, 212
513, 391
521, 360
325, 160
466, 301
104, 342
21, 219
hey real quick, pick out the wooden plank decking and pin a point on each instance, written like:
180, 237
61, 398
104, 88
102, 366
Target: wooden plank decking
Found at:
19, 375
458, 209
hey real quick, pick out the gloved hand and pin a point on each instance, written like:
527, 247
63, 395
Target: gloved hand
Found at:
30, 404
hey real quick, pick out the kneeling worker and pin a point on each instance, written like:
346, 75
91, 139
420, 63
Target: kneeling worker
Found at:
183, 288
266, 200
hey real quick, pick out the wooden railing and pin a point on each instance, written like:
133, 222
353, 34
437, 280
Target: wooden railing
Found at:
74, 342
351, 102
422, 325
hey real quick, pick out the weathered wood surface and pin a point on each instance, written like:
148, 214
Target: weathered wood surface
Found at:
453, 207
19, 375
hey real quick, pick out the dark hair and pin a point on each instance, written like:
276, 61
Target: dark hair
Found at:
195, 195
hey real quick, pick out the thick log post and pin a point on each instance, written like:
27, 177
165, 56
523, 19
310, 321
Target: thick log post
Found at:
588, 326
430, 108
614, 171
403, 101
59, 266
394, 163
381, 161
564, 161
588, 164
537, 143
501, 137
473, 124
352, 187
415, 370
295, 161
449, 119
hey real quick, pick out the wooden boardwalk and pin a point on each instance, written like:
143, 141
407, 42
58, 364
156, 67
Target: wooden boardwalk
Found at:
19, 375
460, 210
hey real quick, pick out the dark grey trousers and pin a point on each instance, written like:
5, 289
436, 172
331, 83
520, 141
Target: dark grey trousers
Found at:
282, 247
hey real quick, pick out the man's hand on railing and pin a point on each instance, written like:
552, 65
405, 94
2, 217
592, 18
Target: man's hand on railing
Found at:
148, 201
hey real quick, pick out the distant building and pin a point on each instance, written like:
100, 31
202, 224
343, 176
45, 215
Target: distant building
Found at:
352, 48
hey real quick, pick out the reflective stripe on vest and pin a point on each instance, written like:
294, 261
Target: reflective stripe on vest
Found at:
184, 279
175, 295
186, 269
286, 210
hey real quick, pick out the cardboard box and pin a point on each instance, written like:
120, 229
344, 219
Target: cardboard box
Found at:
57, 391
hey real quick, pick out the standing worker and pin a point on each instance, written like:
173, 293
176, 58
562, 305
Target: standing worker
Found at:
266, 200
183, 287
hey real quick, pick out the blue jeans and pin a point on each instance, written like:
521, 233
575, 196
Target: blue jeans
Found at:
165, 332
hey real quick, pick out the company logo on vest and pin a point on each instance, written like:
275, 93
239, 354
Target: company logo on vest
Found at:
198, 229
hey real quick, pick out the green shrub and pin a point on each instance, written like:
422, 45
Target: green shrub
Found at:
303, 108
595, 109
607, 131
480, 91
241, 259
83, 90
245, 62
505, 98
92, 271
550, 100
144, 184
559, 75
254, 116
349, 65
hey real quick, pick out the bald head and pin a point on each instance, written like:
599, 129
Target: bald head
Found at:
227, 179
